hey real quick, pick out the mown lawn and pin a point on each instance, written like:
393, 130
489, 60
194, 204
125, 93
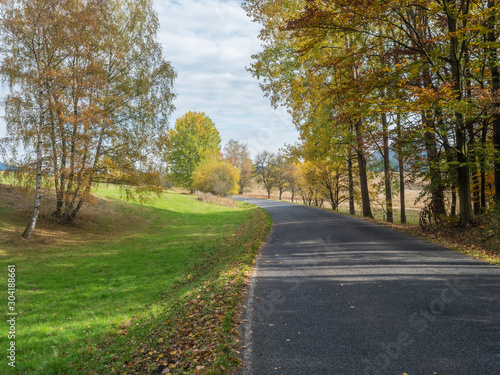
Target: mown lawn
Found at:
89, 294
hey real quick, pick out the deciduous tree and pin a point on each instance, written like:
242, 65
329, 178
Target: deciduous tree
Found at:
435, 62
263, 170
193, 139
237, 154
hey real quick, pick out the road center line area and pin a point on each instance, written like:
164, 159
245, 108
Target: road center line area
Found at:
337, 295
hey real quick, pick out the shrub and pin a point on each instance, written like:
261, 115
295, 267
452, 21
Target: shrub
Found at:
217, 177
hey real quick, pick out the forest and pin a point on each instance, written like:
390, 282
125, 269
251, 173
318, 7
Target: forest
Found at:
415, 79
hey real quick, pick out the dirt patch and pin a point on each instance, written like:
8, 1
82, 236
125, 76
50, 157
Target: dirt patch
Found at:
215, 199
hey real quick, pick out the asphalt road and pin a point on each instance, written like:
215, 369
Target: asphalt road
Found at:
337, 295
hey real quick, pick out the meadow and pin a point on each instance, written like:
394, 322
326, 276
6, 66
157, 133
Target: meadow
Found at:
89, 295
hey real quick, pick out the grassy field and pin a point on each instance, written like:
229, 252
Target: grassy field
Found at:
110, 294
412, 215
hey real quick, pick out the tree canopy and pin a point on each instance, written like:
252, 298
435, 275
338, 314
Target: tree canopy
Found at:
217, 177
237, 154
420, 77
194, 139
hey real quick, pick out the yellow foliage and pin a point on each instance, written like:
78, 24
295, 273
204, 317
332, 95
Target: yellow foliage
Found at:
323, 180
217, 177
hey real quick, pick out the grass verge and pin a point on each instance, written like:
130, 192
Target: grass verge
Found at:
129, 289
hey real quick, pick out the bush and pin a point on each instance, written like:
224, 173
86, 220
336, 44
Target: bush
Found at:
217, 177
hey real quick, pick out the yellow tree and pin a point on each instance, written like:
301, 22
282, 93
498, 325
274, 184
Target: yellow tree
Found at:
263, 164
27, 71
292, 177
309, 185
435, 48
492, 36
237, 154
279, 171
316, 73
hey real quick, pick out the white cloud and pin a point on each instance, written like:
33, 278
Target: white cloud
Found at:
209, 44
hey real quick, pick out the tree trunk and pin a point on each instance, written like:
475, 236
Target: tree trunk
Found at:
352, 210
337, 191
483, 162
55, 167
495, 90
38, 189
463, 175
453, 209
402, 202
437, 188
360, 150
38, 192
435, 174
76, 211
387, 169
451, 159
363, 177
472, 146
463, 178
476, 192
332, 200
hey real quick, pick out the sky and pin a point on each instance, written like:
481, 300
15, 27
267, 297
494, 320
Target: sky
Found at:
209, 43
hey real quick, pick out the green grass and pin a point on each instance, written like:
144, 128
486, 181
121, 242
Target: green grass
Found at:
117, 271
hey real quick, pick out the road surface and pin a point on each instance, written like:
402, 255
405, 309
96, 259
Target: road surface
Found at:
340, 296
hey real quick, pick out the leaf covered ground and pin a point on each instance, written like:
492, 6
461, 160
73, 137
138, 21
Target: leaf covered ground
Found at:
479, 239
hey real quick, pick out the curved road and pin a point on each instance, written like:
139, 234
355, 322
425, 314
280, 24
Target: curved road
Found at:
340, 296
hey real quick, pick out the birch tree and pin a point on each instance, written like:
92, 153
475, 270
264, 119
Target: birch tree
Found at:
96, 71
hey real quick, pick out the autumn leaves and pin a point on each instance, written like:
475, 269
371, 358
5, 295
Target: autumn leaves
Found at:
195, 162
417, 79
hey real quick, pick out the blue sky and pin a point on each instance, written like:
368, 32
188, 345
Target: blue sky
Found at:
209, 43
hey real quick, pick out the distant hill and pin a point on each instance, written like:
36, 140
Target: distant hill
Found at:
377, 164
3, 167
